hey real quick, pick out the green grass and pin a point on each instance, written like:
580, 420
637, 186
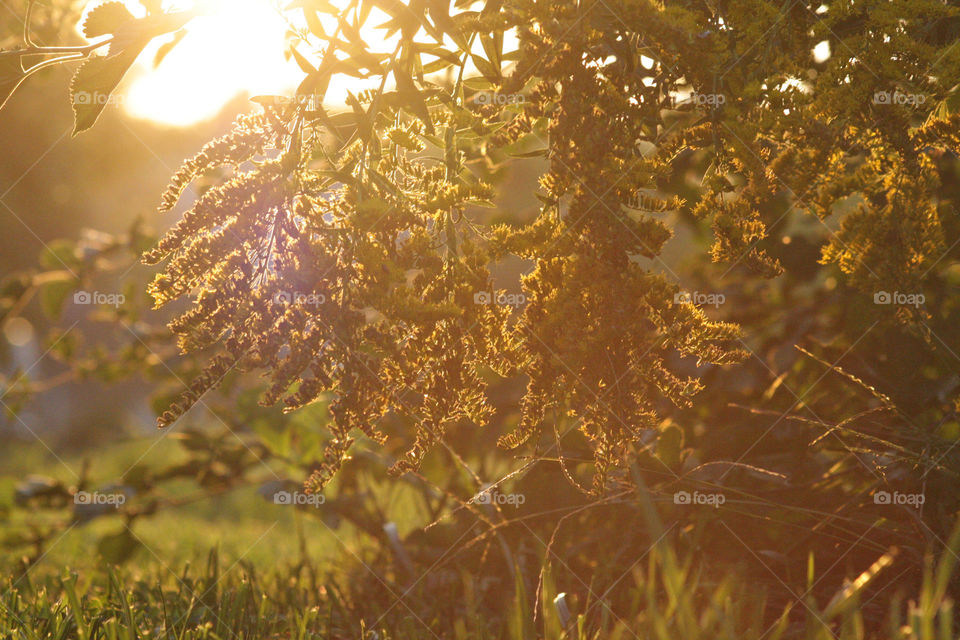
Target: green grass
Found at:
237, 567
225, 600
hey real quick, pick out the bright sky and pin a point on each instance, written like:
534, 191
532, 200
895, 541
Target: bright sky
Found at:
232, 51
238, 49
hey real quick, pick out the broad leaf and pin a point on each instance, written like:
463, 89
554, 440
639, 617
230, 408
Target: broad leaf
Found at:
106, 19
93, 83
412, 98
302, 62
53, 296
489, 71
97, 78
670, 445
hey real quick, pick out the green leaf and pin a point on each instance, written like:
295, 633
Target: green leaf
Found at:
314, 24
79, 614
493, 48
489, 71
302, 62
193, 440
670, 445
97, 78
117, 548
7, 492
63, 344
478, 84
437, 50
440, 12
53, 295
946, 107
93, 83
60, 253
412, 98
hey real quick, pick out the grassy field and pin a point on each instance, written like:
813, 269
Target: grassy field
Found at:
222, 598
237, 566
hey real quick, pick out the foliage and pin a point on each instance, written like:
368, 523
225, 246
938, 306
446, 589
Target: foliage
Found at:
376, 230
349, 257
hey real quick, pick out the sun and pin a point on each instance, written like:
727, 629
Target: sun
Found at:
238, 48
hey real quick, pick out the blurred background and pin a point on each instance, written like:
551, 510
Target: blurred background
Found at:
61, 191
80, 207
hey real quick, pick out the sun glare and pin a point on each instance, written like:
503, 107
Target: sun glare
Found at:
230, 52
236, 50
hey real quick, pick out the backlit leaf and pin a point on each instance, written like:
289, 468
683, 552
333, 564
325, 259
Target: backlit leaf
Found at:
93, 84
106, 19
